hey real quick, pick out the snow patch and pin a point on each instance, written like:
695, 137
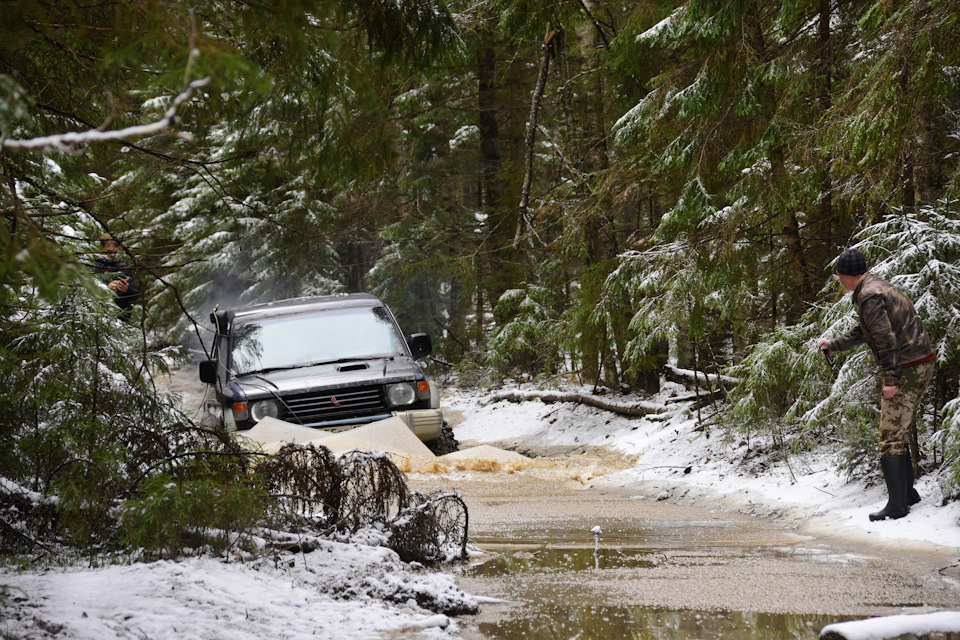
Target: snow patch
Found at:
895, 626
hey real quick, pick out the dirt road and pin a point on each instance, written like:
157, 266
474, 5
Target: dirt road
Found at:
687, 570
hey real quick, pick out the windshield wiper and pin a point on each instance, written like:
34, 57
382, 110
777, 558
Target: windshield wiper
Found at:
260, 372
267, 380
343, 360
315, 364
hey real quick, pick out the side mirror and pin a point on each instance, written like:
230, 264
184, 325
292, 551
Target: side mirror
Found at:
221, 321
420, 345
208, 371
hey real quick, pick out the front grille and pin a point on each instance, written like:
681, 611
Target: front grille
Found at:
334, 405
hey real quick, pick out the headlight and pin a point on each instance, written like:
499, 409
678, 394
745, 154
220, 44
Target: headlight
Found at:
264, 408
401, 394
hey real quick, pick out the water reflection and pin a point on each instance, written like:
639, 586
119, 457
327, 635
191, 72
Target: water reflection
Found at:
556, 560
551, 607
643, 623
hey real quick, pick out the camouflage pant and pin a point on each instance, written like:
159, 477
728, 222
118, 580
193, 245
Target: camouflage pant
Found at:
898, 413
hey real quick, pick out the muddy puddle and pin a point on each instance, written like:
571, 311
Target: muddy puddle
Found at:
639, 623
523, 558
661, 570
562, 585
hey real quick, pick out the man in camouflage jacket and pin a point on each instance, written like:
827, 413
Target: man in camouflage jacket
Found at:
889, 324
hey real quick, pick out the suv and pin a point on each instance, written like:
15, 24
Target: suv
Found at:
330, 362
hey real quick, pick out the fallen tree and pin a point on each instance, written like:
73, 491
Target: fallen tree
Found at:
717, 386
621, 408
691, 378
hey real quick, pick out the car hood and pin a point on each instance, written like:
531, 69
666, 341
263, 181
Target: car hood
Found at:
337, 375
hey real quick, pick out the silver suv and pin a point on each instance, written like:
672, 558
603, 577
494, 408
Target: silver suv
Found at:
330, 362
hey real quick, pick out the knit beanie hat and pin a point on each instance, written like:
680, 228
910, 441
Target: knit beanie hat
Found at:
851, 263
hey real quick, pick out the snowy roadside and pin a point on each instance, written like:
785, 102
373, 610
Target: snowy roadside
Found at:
672, 460
348, 591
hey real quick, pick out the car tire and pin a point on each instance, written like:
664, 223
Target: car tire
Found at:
446, 443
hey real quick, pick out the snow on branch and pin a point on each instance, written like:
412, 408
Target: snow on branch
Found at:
64, 142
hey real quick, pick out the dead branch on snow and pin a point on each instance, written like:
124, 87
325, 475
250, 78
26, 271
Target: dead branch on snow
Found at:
621, 408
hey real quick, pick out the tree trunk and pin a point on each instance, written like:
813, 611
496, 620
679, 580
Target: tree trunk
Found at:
596, 354
489, 128
926, 169
825, 99
621, 408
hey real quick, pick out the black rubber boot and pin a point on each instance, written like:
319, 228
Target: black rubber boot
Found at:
895, 475
912, 496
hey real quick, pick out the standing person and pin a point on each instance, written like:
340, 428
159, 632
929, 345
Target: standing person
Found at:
116, 274
890, 325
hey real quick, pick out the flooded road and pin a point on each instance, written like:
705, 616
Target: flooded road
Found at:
659, 569
666, 571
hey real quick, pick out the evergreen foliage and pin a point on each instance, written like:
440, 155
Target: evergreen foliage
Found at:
785, 387
695, 167
82, 424
531, 339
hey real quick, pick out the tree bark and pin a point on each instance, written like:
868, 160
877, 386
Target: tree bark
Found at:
598, 354
926, 169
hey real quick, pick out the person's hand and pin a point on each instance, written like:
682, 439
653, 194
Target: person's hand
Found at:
890, 390
825, 346
119, 286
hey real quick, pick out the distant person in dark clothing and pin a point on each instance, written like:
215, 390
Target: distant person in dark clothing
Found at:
116, 275
889, 324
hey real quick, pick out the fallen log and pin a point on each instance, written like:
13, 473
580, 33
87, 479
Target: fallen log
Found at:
703, 398
547, 397
700, 379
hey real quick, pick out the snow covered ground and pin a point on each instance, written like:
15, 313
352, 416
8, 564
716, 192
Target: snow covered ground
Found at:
353, 591
348, 591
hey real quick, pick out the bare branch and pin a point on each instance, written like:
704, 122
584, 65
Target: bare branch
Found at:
64, 142
545, 54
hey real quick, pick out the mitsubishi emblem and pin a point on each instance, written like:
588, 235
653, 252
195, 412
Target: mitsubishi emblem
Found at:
333, 399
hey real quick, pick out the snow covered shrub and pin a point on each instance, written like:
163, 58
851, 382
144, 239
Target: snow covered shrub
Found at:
173, 510
787, 391
65, 379
432, 528
949, 439
780, 380
373, 490
530, 339
306, 482
84, 428
359, 497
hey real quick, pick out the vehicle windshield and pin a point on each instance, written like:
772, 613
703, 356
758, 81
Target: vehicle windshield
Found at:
296, 340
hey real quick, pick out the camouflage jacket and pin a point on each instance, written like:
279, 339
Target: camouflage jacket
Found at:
889, 324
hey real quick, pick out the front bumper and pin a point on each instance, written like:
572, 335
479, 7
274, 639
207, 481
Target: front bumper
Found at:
426, 424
